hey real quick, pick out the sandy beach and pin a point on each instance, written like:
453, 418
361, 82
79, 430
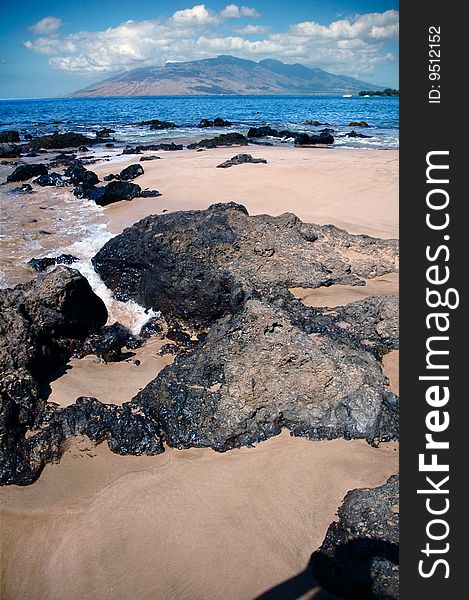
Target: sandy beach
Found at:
196, 524
353, 189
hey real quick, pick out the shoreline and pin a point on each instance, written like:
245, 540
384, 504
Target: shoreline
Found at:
186, 523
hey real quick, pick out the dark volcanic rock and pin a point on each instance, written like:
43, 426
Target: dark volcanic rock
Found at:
64, 159
225, 139
149, 194
42, 264
358, 124
255, 373
80, 175
359, 558
371, 323
104, 133
240, 159
40, 323
112, 192
61, 140
304, 139
166, 147
157, 124
51, 180
154, 157
26, 188
109, 341
196, 266
24, 172
9, 151
131, 172
354, 134
9, 136
266, 130
217, 122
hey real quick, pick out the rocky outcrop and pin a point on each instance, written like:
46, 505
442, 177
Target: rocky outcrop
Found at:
264, 131
358, 124
9, 151
355, 134
104, 133
371, 324
28, 171
9, 136
51, 180
78, 174
217, 122
197, 266
255, 373
127, 174
166, 147
131, 172
359, 558
112, 192
225, 139
305, 139
157, 124
40, 324
61, 140
241, 159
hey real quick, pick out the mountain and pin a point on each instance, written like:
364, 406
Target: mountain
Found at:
225, 75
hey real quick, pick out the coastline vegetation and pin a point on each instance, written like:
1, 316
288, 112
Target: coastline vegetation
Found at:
386, 92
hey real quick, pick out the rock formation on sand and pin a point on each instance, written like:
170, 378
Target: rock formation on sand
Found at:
255, 373
241, 159
197, 266
39, 322
359, 558
250, 358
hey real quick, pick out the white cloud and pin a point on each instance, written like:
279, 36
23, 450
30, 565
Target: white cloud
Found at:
352, 46
252, 30
233, 11
46, 26
197, 15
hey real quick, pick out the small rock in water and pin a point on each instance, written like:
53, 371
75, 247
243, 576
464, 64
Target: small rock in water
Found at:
358, 124
80, 175
9, 136
41, 264
354, 134
225, 139
51, 180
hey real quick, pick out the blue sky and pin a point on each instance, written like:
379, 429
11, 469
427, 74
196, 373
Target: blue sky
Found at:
54, 47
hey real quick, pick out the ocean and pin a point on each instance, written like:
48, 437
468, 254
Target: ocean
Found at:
84, 115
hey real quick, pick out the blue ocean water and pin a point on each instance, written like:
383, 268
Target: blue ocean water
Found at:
31, 116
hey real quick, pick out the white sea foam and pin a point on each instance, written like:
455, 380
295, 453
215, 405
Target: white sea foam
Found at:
130, 314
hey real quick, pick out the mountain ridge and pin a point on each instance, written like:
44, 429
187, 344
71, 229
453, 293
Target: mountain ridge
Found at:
225, 75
